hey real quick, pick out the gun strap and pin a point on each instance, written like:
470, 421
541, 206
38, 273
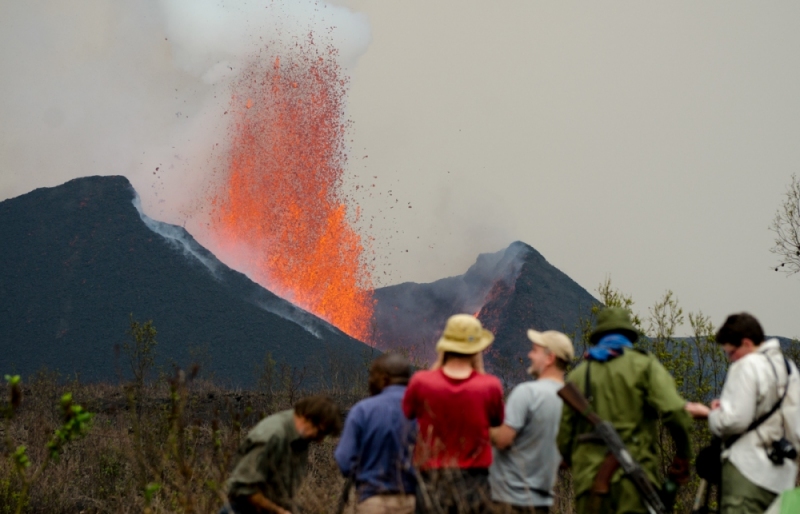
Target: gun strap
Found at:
586, 393
587, 387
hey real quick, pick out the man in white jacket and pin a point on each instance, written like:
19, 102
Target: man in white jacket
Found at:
758, 433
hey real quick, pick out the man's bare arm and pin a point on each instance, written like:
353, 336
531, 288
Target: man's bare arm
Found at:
265, 504
502, 436
697, 410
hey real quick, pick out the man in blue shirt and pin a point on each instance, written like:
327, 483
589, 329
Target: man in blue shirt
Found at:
377, 443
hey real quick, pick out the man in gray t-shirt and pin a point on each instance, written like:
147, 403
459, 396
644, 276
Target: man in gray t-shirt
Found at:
526, 457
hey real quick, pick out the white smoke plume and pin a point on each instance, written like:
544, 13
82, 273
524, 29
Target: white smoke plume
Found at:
185, 243
139, 87
178, 238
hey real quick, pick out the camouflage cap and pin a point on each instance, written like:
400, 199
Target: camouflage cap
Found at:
614, 319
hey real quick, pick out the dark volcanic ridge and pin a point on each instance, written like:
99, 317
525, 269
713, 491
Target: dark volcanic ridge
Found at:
79, 258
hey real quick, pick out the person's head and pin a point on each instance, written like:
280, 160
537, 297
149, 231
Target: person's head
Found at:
464, 338
739, 335
551, 352
317, 416
388, 369
614, 320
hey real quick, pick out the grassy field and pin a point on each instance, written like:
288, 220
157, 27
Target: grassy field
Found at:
167, 448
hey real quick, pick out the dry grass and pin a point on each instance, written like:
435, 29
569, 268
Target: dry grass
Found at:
181, 435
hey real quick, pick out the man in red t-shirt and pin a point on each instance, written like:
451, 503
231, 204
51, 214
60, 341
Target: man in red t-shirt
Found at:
455, 403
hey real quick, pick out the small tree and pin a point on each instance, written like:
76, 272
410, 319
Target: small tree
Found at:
666, 316
267, 379
709, 372
786, 226
140, 349
291, 379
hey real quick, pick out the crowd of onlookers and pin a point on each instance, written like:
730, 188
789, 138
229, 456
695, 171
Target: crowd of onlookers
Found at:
442, 440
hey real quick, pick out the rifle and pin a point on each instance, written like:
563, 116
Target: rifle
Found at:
604, 431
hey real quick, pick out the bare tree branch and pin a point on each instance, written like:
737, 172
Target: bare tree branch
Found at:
786, 226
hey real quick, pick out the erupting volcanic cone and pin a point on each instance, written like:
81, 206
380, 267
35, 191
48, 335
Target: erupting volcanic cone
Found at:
281, 202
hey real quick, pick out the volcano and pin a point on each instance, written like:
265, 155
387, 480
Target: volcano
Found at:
79, 259
510, 291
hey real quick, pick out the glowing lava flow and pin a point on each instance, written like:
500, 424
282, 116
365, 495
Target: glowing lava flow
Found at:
281, 197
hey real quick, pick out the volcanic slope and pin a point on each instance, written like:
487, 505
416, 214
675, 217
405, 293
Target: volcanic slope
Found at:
79, 258
511, 291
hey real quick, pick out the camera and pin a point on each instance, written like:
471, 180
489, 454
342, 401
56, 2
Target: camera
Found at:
781, 449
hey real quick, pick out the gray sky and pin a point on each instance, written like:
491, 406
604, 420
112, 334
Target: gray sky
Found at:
651, 143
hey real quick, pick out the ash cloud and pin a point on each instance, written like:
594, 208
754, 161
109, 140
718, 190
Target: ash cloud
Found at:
139, 87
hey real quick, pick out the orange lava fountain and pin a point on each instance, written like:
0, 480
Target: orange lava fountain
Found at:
281, 195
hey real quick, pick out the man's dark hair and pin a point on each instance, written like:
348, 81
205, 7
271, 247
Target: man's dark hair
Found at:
394, 367
740, 326
322, 412
561, 364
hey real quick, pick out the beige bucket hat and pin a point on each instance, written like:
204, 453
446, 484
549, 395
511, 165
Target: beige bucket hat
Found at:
555, 341
464, 334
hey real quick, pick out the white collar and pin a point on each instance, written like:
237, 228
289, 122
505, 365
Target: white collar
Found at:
768, 345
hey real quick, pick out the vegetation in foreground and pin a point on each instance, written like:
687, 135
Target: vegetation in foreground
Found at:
167, 445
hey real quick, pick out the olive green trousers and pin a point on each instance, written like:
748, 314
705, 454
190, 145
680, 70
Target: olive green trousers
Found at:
741, 496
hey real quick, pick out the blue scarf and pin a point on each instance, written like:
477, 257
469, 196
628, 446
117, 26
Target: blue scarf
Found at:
608, 347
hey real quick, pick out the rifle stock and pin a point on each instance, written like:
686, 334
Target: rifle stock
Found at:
573, 397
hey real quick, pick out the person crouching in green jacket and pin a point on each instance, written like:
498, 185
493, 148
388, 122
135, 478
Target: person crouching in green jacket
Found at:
630, 389
273, 458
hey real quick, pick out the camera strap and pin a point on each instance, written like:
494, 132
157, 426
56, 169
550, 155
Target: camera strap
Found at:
761, 419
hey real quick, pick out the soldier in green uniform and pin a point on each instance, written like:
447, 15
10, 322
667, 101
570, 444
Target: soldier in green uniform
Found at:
630, 389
